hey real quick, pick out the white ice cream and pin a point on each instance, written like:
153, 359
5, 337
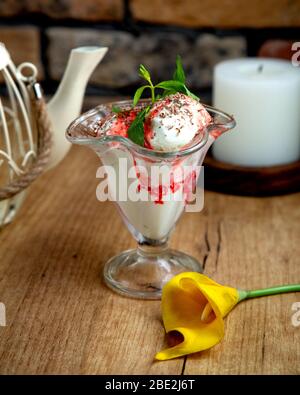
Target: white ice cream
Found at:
174, 121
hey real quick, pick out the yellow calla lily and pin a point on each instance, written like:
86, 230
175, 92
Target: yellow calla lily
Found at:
193, 308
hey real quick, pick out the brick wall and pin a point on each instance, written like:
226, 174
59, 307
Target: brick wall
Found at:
142, 31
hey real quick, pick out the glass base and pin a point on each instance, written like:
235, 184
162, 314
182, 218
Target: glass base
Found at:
142, 273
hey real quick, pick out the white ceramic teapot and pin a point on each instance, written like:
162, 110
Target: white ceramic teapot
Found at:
20, 137
67, 101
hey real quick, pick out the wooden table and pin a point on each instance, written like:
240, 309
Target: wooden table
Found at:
61, 318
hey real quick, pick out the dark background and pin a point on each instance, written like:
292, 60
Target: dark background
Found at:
152, 32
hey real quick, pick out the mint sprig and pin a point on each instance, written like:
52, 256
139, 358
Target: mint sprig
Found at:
177, 84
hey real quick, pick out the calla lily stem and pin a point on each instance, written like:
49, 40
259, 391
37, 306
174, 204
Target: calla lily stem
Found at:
256, 293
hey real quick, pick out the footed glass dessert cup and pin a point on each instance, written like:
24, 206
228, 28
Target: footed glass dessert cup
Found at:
151, 190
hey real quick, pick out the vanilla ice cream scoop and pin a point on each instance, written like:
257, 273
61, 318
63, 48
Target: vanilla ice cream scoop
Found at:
173, 122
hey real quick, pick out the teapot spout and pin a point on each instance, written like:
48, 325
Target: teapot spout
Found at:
67, 101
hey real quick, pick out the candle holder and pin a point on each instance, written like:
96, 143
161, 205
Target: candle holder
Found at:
251, 181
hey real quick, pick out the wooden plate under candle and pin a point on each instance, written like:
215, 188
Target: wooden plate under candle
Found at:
251, 181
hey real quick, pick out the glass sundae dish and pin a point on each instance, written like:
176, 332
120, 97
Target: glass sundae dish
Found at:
152, 150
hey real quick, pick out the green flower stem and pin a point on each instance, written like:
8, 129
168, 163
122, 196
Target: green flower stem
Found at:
256, 293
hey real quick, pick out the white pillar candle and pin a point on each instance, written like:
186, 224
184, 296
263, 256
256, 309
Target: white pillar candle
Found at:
264, 97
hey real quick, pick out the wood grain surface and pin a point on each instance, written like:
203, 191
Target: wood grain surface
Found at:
61, 318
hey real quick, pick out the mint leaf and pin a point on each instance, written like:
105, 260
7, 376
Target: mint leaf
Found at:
136, 129
116, 109
179, 74
138, 94
190, 94
144, 73
172, 85
168, 93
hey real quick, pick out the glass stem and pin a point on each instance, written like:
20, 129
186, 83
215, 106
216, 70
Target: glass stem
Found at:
269, 291
146, 249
